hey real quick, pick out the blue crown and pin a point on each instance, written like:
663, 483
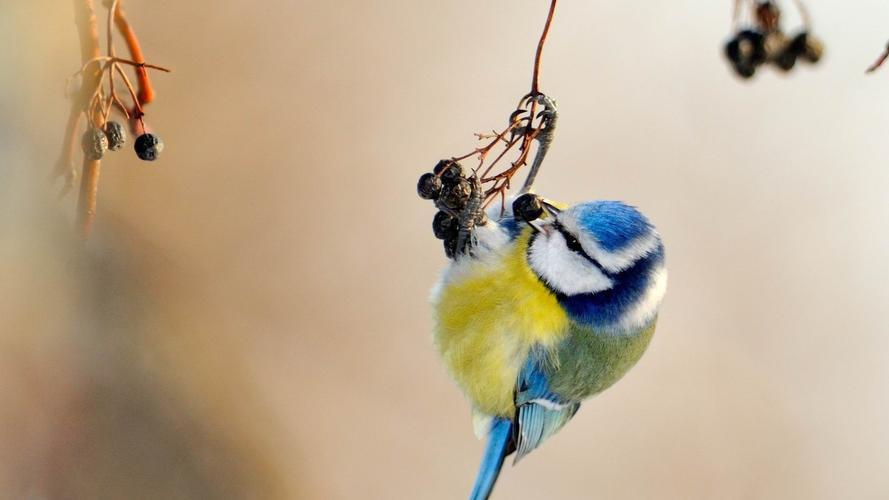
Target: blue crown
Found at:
613, 224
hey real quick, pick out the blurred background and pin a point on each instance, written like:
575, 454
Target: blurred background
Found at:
250, 317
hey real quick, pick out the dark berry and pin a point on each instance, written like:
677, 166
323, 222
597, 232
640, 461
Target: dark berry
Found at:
444, 226
429, 186
733, 50
527, 207
94, 143
148, 147
751, 45
798, 44
746, 51
448, 170
786, 60
745, 70
456, 196
117, 135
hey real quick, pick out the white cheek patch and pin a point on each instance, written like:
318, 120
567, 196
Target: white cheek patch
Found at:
647, 305
565, 271
613, 262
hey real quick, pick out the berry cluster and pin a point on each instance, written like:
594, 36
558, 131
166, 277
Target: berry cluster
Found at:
461, 195
96, 141
458, 195
766, 43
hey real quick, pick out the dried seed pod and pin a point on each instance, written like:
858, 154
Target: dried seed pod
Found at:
429, 186
444, 226
117, 135
456, 196
449, 171
148, 147
527, 207
94, 143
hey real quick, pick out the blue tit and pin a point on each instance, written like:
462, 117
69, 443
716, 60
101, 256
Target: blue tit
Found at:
539, 316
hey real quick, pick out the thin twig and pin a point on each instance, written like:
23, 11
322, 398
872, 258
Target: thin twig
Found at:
803, 14
736, 14
873, 67
121, 61
535, 82
484, 150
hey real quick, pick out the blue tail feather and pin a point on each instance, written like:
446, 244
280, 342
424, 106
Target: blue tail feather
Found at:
499, 440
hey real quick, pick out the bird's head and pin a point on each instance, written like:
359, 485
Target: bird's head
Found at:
604, 261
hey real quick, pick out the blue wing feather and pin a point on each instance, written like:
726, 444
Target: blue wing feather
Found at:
540, 412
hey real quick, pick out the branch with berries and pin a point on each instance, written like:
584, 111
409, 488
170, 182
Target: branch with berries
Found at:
105, 88
759, 39
463, 193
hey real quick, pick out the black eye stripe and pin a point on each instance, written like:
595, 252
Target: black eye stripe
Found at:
574, 245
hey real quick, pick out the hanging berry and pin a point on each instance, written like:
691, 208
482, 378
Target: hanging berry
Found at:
760, 39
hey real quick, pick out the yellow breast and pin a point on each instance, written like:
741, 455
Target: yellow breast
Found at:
489, 313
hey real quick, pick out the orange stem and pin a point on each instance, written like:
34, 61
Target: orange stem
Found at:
89, 190
88, 30
146, 91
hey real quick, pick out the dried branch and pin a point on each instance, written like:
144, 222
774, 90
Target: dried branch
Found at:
86, 202
524, 132
88, 31
96, 99
535, 81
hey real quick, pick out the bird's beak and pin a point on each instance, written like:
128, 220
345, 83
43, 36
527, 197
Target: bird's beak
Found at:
544, 228
551, 209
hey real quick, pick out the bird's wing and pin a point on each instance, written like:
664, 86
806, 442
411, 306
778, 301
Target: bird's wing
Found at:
540, 412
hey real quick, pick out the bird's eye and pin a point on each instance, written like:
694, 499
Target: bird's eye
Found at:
572, 243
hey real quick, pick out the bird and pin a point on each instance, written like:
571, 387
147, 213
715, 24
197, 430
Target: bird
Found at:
539, 315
